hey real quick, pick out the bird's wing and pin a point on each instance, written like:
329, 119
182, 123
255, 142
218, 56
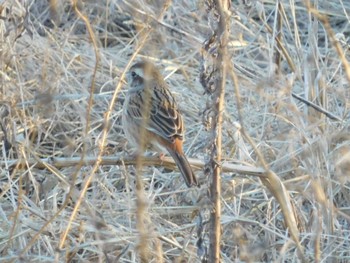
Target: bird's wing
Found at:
164, 119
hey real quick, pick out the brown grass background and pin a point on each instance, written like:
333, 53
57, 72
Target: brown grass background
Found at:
47, 65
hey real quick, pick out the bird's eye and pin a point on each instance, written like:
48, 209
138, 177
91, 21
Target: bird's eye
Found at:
133, 74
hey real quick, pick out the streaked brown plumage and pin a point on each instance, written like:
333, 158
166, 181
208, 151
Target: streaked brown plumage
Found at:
149, 102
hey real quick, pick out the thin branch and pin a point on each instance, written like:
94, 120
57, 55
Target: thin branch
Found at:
166, 162
316, 107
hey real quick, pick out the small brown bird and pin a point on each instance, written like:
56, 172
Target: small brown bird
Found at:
149, 103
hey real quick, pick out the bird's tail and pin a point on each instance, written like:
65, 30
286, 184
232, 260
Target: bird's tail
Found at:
185, 168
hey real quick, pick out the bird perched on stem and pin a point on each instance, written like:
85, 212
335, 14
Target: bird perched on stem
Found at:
150, 113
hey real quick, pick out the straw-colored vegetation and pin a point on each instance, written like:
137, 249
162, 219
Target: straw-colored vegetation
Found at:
66, 195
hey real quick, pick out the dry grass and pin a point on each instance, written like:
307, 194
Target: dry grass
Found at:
47, 64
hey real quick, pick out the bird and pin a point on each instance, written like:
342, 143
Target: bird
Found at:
150, 111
